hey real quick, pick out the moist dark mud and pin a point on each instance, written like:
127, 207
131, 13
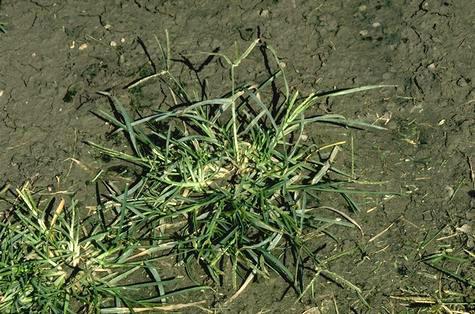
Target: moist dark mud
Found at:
55, 56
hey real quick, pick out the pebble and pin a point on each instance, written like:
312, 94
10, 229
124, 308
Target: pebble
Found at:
466, 228
364, 33
462, 82
264, 13
449, 192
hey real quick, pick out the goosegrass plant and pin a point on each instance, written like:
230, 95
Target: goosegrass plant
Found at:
234, 183
52, 261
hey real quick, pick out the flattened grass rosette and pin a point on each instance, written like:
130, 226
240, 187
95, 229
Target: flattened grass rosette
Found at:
233, 182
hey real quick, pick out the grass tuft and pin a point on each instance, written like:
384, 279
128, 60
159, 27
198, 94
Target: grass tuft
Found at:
51, 261
233, 183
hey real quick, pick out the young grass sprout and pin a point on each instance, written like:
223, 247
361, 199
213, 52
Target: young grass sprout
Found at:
454, 286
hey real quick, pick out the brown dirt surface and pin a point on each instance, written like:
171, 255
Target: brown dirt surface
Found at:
55, 55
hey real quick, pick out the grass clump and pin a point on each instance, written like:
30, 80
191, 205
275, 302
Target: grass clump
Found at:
51, 261
234, 183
